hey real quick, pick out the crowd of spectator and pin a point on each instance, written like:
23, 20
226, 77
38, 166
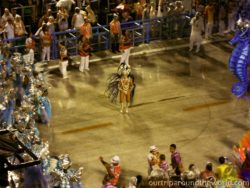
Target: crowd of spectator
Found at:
81, 16
162, 174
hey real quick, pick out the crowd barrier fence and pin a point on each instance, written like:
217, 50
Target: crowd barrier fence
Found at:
142, 31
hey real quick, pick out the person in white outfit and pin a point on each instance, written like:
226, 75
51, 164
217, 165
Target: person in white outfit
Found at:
63, 60
78, 18
125, 47
84, 49
30, 46
196, 31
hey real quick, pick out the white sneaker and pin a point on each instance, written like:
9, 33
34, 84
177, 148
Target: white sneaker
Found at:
197, 50
121, 110
126, 110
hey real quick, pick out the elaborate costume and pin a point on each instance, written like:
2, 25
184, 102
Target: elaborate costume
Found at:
240, 57
122, 83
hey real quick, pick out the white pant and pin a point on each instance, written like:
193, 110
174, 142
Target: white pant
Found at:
195, 38
209, 29
31, 56
125, 56
46, 52
63, 68
84, 64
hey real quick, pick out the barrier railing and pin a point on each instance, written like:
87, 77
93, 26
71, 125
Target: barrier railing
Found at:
143, 31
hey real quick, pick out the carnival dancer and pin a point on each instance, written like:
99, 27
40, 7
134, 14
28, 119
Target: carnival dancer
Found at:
122, 84
44, 110
125, 47
63, 60
84, 49
197, 28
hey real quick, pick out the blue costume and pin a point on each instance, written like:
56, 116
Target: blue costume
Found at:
240, 57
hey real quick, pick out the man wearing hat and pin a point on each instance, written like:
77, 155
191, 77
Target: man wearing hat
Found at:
78, 18
113, 169
115, 31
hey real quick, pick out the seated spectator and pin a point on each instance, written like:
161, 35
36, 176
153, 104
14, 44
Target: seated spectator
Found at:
132, 182
208, 172
106, 182
193, 173
62, 19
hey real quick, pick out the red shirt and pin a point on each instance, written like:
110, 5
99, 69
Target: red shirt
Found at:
116, 172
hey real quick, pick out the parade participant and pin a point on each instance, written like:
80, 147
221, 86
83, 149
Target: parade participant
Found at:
125, 47
86, 29
115, 31
196, 31
84, 49
122, 84
126, 87
113, 169
63, 60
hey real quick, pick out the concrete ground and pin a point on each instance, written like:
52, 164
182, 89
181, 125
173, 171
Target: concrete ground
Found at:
181, 97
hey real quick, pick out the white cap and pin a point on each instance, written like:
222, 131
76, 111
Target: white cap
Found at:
153, 148
115, 159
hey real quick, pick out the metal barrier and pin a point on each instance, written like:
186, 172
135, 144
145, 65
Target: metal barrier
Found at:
143, 31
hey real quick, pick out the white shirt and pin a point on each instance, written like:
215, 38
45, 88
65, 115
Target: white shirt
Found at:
9, 29
197, 25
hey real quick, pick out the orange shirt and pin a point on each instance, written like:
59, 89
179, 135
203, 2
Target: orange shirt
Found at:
46, 40
209, 12
115, 27
116, 171
86, 30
